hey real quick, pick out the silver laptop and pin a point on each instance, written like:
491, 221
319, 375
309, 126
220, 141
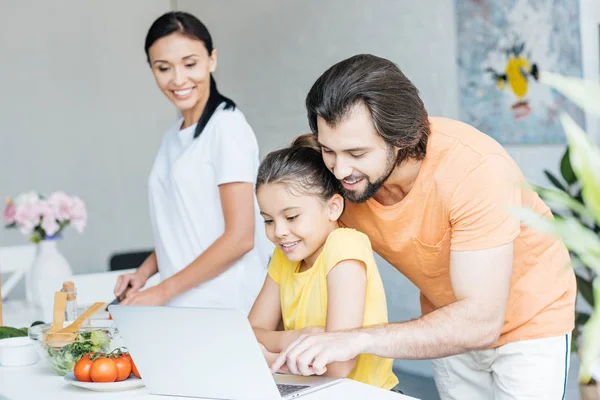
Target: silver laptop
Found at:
204, 352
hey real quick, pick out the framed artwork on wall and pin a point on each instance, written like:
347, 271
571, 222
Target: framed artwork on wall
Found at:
502, 46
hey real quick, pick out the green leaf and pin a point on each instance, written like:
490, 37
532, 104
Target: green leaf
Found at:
579, 196
577, 237
556, 214
566, 170
555, 181
535, 220
582, 241
8, 332
562, 199
581, 318
586, 94
586, 289
574, 339
590, 352
585, 160
99, 338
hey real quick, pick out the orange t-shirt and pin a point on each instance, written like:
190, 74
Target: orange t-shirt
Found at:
461, 201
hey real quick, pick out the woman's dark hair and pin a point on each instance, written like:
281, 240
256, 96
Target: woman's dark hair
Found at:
397, 112
301, 167
190, 26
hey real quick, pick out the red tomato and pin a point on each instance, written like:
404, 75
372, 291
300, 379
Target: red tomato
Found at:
134, 369
103, 370
123, 367
82, 369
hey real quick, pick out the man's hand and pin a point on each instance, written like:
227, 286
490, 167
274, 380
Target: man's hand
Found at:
292, 335
310, 354
154, 296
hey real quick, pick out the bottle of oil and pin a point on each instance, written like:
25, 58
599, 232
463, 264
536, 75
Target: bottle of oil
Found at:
71, 310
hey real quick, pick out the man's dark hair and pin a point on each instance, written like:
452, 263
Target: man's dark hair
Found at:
397, 112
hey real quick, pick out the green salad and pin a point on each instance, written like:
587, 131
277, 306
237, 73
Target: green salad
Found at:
63, 360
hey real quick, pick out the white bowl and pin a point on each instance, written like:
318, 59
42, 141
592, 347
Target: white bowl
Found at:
128, 384
17, 352
62, 360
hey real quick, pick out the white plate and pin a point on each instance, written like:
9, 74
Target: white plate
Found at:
128, 384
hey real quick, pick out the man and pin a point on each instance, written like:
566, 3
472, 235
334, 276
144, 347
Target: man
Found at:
435, 197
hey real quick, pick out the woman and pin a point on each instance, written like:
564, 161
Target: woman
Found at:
208, 248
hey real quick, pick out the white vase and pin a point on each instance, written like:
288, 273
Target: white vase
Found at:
49, 265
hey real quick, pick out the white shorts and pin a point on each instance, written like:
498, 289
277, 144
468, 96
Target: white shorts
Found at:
533, 369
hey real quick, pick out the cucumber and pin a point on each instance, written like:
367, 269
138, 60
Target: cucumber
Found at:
8, 332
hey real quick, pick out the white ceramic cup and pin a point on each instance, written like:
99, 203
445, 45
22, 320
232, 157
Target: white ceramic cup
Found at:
17, 352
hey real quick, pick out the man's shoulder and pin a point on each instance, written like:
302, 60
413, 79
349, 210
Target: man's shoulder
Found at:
457, 148
462, 139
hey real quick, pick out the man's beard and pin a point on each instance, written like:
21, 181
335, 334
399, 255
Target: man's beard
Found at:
372, 187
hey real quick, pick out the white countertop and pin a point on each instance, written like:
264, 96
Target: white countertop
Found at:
39, 381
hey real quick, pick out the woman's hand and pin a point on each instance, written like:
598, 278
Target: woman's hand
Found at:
129, 283
154, 296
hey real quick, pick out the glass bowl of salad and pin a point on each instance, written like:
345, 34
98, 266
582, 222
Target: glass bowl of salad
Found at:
97, 335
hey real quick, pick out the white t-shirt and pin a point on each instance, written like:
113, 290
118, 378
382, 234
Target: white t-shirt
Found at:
186, 212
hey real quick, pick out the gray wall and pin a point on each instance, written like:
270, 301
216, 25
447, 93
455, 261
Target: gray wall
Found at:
270, 52
79, 112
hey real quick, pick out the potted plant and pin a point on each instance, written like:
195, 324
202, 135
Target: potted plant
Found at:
568, 184
576, 201
43, 220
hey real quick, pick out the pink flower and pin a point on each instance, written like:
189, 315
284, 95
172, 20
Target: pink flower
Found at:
27, 217
30, 197
48, 217
49, 224
61, 204
78, 214
30, 213
8, 216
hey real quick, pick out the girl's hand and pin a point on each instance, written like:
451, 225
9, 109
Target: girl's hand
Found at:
270, 357
312, 329
263, 348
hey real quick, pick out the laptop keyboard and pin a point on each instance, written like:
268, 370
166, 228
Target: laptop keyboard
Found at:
284, 390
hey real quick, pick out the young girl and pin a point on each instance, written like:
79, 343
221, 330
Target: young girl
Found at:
321, 276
